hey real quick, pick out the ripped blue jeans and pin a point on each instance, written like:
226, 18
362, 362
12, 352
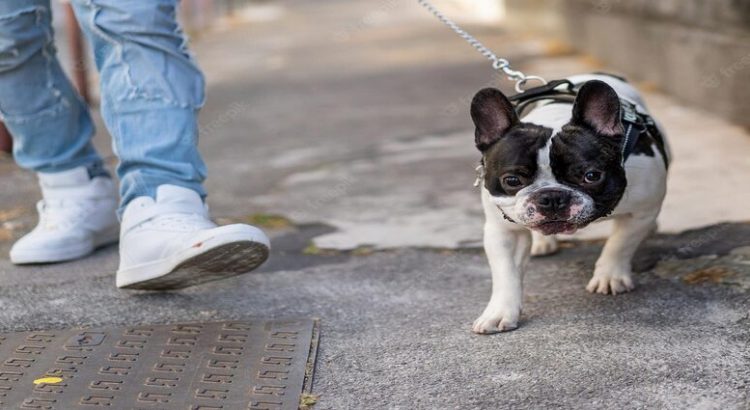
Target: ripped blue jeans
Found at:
151, 91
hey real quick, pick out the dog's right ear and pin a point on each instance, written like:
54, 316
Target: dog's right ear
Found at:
493, 115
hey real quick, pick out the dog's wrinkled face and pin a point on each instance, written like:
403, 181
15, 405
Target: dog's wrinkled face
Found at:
552, 179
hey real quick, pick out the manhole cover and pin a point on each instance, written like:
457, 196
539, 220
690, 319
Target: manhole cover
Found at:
219, 365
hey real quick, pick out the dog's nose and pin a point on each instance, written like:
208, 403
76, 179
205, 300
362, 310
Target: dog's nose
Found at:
553, 200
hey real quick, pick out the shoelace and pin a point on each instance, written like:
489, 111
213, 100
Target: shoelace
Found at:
62, 214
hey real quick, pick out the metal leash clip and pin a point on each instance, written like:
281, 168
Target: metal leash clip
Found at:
499, 64
479, 170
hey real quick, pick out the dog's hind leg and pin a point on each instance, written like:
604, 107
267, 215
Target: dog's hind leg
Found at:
542, 245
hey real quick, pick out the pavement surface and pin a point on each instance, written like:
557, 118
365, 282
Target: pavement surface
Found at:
341, 127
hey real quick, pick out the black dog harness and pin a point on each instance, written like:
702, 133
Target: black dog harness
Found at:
637, 124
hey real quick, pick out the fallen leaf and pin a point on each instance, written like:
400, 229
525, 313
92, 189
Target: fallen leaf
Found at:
713, 274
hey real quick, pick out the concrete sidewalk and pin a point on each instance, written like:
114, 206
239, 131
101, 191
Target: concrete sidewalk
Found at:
342, 127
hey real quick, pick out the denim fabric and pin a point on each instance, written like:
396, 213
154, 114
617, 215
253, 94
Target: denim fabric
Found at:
151, 93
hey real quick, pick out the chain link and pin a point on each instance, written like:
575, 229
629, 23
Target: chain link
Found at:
499, 64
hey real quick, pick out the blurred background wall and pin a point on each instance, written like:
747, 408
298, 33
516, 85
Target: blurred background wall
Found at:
696, 50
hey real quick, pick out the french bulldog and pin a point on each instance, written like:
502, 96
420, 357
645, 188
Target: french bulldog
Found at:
556, 170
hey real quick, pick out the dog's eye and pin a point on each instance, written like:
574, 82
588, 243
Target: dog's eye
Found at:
593, 176
512, 181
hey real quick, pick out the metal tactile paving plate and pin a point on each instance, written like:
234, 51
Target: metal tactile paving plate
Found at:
219, 365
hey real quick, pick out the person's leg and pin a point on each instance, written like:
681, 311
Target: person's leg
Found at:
151, 93
50, 125
52, 132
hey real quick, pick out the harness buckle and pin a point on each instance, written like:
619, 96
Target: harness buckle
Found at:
629, 113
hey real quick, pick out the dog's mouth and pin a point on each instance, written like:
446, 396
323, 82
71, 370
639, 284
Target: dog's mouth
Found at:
555, 227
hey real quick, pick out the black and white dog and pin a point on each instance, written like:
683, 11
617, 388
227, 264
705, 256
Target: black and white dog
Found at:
556, 170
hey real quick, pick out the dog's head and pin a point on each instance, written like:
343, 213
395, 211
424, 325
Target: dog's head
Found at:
552, 179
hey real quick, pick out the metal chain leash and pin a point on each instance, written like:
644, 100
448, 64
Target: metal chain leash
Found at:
499, 64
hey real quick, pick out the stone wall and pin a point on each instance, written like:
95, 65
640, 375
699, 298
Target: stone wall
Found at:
696, 50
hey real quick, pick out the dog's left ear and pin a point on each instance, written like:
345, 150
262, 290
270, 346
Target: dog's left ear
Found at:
493, 115
598, 106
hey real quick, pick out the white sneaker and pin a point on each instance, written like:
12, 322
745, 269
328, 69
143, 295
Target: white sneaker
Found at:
76, 215
169, 243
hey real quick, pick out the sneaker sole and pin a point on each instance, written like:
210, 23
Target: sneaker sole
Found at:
222, 262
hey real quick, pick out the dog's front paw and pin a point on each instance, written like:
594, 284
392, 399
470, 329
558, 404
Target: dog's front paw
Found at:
542, 245
497, 318
611, 281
